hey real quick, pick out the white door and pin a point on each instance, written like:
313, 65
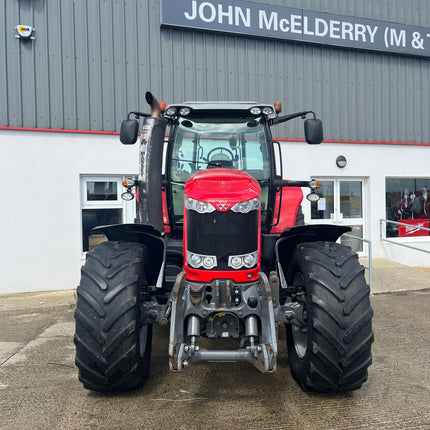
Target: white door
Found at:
342, 202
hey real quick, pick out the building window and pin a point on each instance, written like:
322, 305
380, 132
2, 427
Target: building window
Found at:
101, 204
408, 201
101, 191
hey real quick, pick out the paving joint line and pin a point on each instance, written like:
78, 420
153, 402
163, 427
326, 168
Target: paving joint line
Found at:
26, 343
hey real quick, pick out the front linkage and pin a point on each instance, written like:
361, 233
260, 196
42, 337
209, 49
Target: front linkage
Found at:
224, 309
220, 309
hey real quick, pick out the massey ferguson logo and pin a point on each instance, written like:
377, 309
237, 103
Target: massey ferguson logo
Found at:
223, 205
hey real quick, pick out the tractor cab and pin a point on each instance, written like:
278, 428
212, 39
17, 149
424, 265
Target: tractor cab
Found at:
215, 135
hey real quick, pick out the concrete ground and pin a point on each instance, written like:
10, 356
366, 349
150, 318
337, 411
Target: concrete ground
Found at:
390, 277
39, 387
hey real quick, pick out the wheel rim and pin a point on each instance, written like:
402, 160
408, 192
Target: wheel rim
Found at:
300, 337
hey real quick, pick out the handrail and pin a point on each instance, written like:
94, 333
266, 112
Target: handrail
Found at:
384, 239
369, 267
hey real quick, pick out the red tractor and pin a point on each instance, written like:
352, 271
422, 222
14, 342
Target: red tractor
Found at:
219, 250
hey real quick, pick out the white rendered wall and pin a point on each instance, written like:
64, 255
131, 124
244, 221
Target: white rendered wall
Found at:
373, 162
40, 226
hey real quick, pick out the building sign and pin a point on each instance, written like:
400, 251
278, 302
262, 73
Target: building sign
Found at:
278, 22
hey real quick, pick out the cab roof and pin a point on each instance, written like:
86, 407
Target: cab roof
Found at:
218, 109
219, 105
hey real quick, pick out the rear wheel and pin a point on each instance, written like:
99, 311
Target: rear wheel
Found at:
330, 350
113, 350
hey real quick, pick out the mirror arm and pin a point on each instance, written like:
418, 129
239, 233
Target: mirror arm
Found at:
137, 114
312, 184
285, 118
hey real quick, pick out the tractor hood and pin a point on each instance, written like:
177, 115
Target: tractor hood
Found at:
222, 187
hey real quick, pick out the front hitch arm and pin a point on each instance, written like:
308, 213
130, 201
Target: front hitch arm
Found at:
293, 313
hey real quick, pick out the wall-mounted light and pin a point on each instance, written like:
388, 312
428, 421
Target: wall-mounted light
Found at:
24, 32
341, 161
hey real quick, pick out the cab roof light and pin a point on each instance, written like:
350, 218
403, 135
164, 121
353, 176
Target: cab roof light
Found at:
184, 111
278, 107
267, 110
163, 106
171, 111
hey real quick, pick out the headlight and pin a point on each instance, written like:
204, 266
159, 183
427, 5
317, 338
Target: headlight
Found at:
246, 206
127, 196
235, 261
199, 260
209, 262
248, 260
244, 260
199, 206
195, 260
255, 111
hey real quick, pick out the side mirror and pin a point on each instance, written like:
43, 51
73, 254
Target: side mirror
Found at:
129, 130
313, 131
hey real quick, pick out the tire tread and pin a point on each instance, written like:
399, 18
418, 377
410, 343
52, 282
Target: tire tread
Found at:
340, 319
107, 315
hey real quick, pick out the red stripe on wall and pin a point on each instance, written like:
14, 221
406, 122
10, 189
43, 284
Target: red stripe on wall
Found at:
58, 130
365, 142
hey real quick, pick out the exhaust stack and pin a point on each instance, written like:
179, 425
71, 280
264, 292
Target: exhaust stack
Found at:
150, 208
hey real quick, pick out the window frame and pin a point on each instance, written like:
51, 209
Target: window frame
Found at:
128, 207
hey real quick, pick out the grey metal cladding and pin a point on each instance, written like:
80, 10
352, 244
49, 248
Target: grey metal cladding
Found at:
92, 61
4, 104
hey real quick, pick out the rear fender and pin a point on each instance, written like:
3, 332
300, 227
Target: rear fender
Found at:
146, 235
291, 237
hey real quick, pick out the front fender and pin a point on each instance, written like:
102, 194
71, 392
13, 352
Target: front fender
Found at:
291, 237
144, 234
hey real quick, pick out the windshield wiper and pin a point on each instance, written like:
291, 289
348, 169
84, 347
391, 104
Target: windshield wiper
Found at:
209, 163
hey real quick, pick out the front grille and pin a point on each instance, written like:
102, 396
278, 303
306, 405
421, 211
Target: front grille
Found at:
222, 234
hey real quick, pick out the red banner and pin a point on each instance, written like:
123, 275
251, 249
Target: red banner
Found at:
412, 229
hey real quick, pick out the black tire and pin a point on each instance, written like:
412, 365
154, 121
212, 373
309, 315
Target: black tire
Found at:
113, 352
331, 353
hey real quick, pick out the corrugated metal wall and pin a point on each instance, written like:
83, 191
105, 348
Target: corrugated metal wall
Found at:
93, 60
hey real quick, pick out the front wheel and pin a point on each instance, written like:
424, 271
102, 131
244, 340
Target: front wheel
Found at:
330, 350
113, 350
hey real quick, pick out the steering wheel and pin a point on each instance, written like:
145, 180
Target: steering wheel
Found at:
220, 149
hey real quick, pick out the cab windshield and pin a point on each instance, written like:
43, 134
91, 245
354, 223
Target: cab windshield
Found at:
202, 143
